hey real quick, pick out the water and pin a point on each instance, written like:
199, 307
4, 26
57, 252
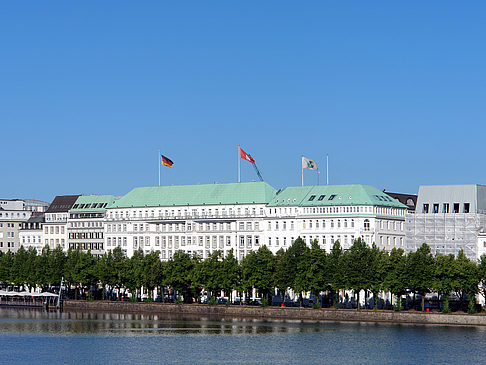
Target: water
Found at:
33, 336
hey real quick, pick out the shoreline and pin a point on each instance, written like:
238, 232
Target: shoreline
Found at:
278, 313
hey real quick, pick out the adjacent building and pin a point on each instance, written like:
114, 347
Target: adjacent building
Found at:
449, 218
30, 234
86, 223
12, 214
55, 225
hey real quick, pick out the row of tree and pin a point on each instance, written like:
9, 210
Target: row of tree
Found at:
360, 269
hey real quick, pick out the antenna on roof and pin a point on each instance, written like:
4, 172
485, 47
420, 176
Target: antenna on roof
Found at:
327, 169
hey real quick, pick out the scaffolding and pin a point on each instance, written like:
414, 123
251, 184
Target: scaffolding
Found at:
445, 233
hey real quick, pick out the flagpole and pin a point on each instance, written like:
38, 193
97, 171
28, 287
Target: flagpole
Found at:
327, 168
238, 158
302, 170
318, 173
158, 160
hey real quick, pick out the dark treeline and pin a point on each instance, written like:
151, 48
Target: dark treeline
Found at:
361, 270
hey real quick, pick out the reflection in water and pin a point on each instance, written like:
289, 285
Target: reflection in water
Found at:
39, 321
34, 336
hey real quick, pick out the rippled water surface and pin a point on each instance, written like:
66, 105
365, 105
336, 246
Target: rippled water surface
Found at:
34, 336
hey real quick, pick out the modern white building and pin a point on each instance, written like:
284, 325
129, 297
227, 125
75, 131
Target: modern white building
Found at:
200, 219
449, 218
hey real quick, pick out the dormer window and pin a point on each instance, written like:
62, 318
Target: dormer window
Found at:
321, 197
312, 197
332, 197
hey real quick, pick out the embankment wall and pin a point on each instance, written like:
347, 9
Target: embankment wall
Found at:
223, 311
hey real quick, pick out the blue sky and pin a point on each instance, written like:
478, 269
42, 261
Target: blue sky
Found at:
394, 92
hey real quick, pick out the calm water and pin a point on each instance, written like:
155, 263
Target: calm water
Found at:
32, 336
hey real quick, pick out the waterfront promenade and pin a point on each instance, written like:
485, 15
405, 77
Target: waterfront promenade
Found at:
257, 312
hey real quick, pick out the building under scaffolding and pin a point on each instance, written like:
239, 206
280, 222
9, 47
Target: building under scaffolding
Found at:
449, 218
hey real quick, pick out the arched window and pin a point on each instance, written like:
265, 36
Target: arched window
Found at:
366, 225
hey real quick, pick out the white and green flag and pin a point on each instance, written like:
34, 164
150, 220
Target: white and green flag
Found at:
307, 163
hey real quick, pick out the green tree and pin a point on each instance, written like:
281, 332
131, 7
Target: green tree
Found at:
19, 269
420, 269
258, 271
445, 270
210, 273
358, 262
312, 271
152, 273
468, 277
281, 279
134, 269
179, 274
396, 274
292, 259
481, 274
231, 274
336, 270
378, 272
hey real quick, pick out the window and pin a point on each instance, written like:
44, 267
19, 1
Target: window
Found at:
466, 207
321, 197
312, 197
426, 208
332, 197
366, 225
445, 208
456, 208
436, 208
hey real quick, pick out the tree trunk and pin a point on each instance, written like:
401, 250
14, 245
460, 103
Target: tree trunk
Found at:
423, 303
357, 301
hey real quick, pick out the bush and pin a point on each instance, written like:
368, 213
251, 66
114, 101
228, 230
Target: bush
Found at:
317, 305
472, 306
264, 302
212, 301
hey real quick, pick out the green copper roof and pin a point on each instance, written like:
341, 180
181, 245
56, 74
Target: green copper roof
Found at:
332, 195
92, 203
204, 194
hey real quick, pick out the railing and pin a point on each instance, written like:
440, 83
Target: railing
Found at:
188, 216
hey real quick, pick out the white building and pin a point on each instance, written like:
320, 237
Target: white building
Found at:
197, 219
55, 226
12, 214
449, 218
85, 224
31, 235
330, 213
201, 219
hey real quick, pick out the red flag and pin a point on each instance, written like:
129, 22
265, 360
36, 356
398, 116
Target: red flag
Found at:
246, 156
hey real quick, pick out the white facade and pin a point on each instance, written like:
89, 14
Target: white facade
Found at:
373, 224
55, 230
12, 214
332, 213
195, 229
31, 234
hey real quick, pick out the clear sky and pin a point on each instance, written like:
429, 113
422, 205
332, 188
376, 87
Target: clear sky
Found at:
393, 91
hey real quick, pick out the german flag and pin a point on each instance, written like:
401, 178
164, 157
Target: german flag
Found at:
166, 161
